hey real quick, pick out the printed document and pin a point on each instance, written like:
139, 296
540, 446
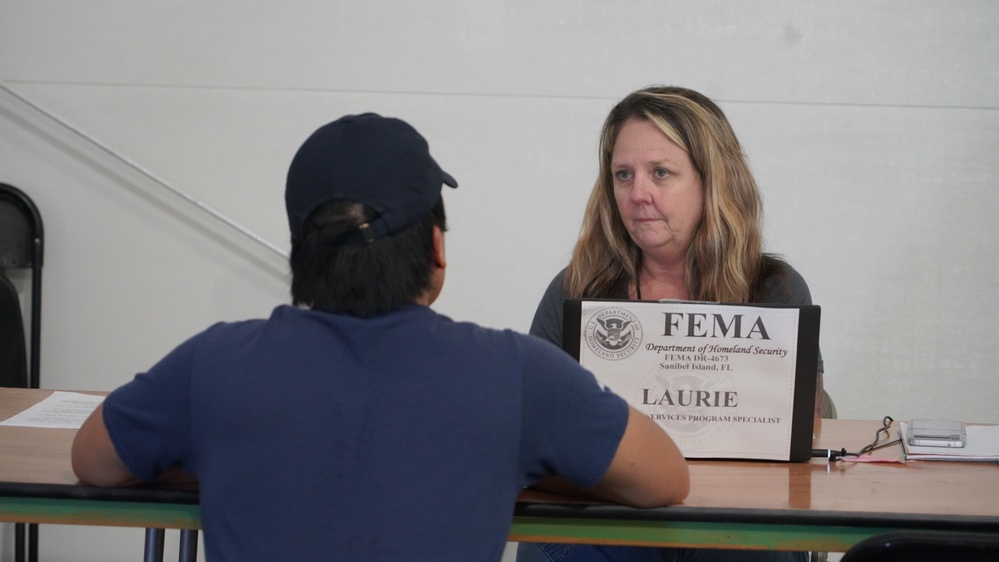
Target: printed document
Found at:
62, 410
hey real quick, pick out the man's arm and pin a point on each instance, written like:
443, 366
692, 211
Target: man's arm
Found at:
648, 469
95, 460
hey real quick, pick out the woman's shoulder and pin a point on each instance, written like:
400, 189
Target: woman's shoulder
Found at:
555, 292
547, 322
782, 284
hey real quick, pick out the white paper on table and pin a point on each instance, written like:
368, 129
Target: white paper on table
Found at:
982, 444
63, 410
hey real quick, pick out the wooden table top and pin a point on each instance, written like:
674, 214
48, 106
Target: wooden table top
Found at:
38, 456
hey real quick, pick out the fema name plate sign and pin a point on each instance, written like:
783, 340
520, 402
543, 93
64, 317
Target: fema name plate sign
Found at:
725, 381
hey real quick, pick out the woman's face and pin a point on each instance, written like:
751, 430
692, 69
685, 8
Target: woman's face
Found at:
657, 189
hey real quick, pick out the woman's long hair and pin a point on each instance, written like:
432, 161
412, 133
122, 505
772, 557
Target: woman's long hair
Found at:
725, 261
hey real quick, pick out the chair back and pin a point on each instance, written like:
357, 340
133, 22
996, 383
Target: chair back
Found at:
13, 358
21, 246
919, 546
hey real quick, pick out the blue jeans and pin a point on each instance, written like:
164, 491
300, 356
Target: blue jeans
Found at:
547, 552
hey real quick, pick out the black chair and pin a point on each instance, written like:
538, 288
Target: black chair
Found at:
828, 406
925, 546
13, 359
21, 247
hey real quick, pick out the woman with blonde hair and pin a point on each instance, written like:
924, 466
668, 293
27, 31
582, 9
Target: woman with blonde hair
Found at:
674, 214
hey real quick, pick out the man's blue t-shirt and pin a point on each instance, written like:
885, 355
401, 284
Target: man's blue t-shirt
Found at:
407, 436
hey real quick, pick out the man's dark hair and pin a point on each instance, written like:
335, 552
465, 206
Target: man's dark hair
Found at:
359, 278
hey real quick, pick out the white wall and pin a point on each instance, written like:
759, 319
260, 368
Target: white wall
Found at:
872, 128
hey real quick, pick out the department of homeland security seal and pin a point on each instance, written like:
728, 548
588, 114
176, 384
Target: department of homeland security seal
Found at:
613, 333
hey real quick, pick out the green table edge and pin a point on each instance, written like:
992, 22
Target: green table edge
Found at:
688, 534
96, 512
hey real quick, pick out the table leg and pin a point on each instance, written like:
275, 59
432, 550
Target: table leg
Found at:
154, 545
32, 542
20, 542
188, 545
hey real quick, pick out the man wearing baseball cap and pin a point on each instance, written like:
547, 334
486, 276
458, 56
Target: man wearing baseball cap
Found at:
357, 423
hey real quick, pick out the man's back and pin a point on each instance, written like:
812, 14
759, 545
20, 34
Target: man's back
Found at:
359, 424
399, 437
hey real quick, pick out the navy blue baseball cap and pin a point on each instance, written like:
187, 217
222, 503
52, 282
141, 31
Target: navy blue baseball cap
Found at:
382, 162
